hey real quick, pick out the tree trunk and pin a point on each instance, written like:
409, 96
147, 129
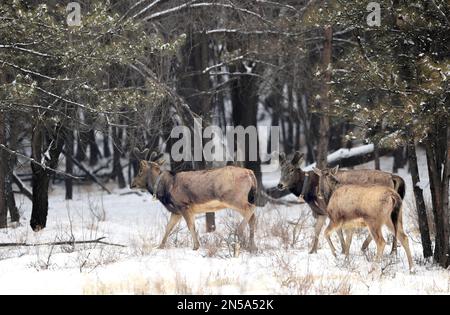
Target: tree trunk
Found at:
11, 160
399, 159
245, 114
41, 176
437, 160
117, 167
376, 153
420, 203
69, 163
193, 86
94, 151
106, 149
322, 150
3, 207
82, 142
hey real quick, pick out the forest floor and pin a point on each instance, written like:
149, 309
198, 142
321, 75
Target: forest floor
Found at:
282, 265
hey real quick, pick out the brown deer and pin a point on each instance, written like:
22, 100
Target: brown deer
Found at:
186, 194
305, 184
350, 206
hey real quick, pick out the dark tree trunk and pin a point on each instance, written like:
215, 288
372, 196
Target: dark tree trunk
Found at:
322, 150
69, 162
3, 206
289, 141
10, 199
245, 114
437, 160
309, 139
376, 153
399, 159
41, 176
272, 102
420, 203
82, 143
94, 151
117, 148
193, 86
106, 149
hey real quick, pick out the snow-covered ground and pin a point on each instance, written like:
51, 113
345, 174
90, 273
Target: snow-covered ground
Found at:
282, 265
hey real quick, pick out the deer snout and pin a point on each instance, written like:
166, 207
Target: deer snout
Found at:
280, 186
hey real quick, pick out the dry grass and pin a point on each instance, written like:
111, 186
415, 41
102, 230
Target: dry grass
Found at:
178, 284
137, 286
410, 211
292, 281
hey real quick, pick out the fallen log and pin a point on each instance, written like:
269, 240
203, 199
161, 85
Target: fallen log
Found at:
97, 241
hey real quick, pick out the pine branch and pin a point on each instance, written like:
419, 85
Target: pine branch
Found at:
45, 167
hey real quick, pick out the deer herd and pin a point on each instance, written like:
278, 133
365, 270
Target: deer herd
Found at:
350, 199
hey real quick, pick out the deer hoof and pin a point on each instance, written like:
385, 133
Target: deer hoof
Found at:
313, 251
253, 249
196, 247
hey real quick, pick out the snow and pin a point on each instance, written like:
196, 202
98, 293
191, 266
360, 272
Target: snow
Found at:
138, 222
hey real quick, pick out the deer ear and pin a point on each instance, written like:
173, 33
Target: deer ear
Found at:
298, 158
317, 171
160, 162
334, 170
137, 154
153, 156
282, 157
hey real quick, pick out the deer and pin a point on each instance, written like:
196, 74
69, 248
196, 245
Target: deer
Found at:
186, 194
352, 206
304, 184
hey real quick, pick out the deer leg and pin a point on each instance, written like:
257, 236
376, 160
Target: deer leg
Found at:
377, 235
320, 221
189, 218
252, 224
248, 215
399, 226
174, 219
330, 228
348, 241
405, 243
342, 240
403, 240
366, 243
390, 226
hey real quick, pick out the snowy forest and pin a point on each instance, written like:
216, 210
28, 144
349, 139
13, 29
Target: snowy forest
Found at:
90, 94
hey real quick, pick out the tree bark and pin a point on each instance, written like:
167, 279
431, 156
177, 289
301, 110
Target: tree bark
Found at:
376, 153
69, 163
94, 151
106, 149
193, 86
117, 166
11, 160
420, 203
41, 176
3, 206
245, 114
322, 150
82, 143
437, 159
